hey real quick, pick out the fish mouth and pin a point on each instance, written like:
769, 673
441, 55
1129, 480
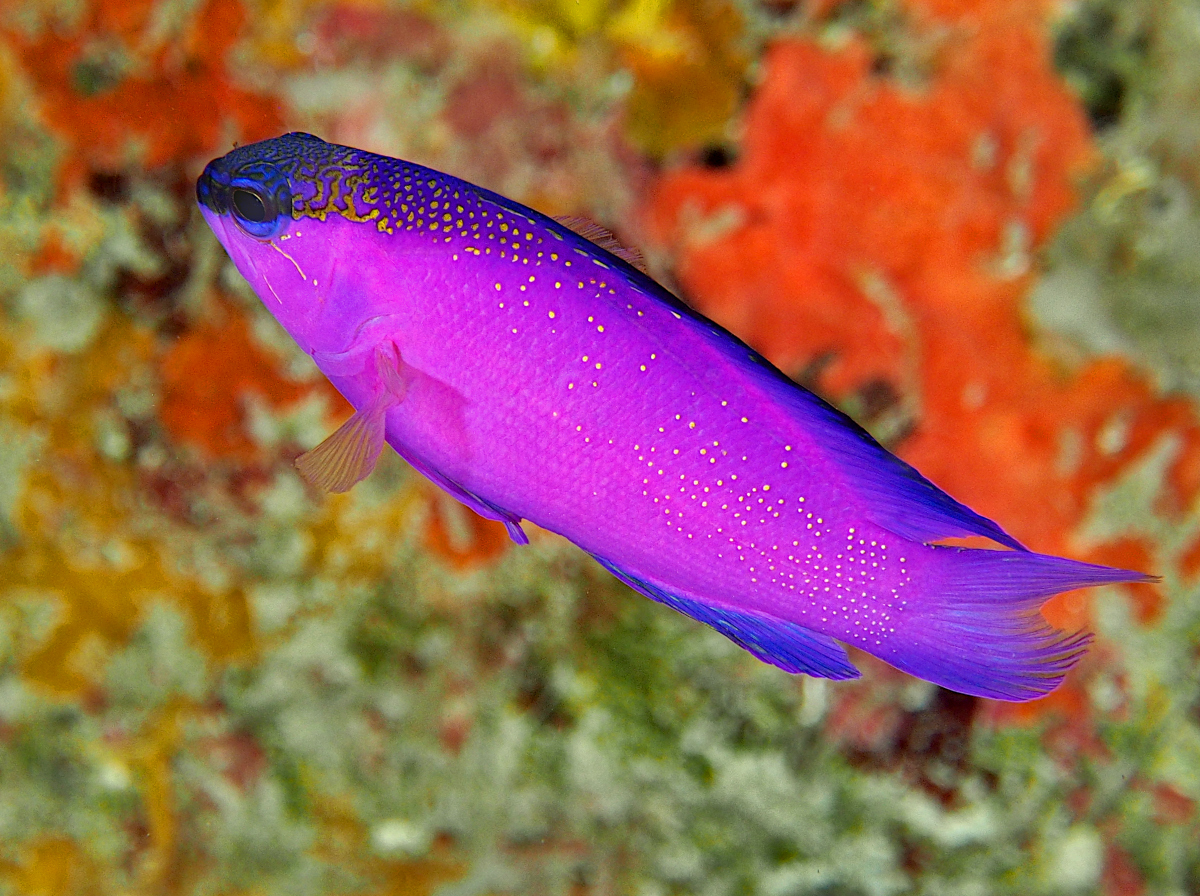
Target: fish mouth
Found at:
212, 190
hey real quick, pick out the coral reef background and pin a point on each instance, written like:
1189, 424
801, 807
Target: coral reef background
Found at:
973, 224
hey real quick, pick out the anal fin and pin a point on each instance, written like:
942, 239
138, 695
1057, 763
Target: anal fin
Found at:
791, 647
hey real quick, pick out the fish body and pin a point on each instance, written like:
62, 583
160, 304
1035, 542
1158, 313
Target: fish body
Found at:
537, 376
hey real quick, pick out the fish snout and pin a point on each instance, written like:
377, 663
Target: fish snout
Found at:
210, 192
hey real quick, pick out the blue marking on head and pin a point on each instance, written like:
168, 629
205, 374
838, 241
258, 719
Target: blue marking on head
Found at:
311, 178
250, 188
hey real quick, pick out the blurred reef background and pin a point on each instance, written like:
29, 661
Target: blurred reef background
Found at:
973, 224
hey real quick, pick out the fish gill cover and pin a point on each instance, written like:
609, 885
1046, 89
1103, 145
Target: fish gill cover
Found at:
214, 680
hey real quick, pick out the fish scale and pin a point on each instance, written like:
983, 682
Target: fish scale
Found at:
537, 376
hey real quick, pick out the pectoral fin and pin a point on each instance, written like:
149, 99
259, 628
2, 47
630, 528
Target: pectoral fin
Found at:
347, 456
350, 454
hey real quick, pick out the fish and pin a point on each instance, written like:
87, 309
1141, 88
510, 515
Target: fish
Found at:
537, 373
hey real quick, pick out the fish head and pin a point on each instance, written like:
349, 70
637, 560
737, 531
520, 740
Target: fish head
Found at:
263, 202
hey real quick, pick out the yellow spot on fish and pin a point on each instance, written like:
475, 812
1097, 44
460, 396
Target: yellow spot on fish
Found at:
273, 245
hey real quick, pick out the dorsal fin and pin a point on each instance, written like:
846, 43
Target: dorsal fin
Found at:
893, 494
603, 237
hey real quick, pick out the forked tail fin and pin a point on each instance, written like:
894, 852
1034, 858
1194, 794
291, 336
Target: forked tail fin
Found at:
978, 629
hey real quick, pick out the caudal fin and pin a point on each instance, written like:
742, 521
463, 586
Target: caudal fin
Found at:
979, 631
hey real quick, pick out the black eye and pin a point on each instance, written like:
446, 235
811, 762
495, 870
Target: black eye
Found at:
249, 206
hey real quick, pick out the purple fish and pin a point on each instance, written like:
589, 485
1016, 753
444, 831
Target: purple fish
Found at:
533, 374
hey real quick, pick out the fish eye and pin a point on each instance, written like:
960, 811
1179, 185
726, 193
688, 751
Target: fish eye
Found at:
249, 206
258, 201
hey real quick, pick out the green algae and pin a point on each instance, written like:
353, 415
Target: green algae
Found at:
1124, 275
